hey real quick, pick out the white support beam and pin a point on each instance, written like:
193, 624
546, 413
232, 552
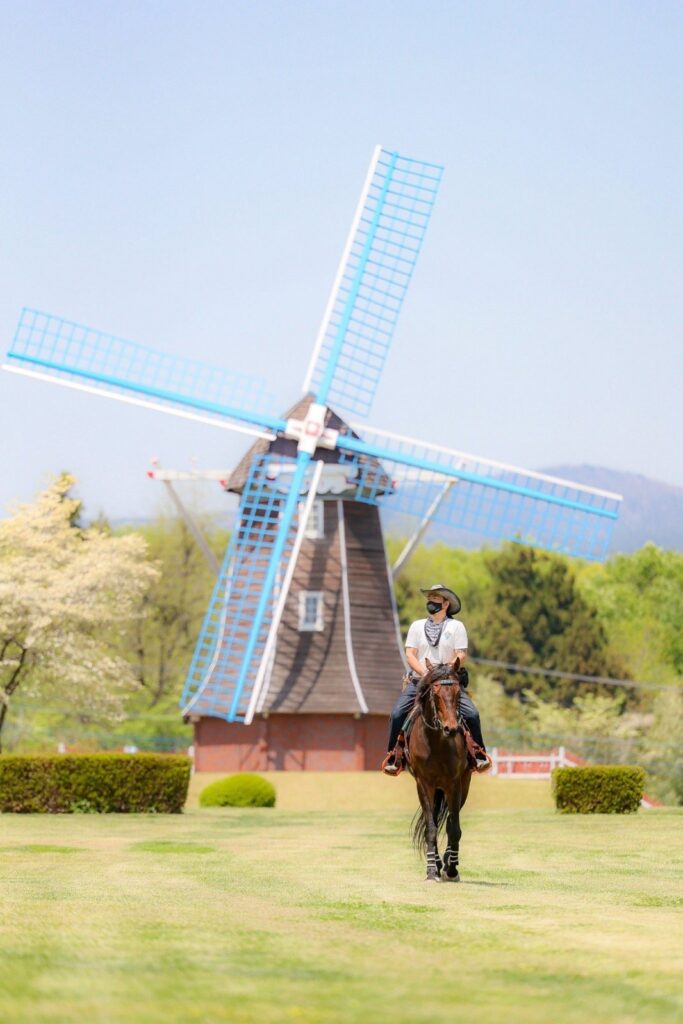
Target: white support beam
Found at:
220, 475
308, 382
421, 529
193, 527
143, 403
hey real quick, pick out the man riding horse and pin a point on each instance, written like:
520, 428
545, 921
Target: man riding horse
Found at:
439, 639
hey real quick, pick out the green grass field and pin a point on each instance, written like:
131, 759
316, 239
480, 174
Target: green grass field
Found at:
288, 915
372, 791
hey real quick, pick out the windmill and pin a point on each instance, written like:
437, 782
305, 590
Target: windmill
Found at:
298, 659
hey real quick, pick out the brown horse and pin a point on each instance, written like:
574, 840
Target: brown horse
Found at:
438, 760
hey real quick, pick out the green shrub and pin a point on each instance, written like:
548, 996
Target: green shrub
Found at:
241, 790
598, 789
94, 783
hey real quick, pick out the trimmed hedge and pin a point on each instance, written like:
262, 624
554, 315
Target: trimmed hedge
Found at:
598, 789
98, 783
241, 790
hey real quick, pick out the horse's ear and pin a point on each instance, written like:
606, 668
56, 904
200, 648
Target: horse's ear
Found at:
456, 665
428, 664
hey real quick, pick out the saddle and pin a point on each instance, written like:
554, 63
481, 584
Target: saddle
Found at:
401, 752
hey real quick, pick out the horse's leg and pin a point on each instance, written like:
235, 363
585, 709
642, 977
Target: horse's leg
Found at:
452, 854
426, 795
435, 814
465, 787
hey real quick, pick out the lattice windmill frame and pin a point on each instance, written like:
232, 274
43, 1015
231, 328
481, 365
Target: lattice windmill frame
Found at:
229, 670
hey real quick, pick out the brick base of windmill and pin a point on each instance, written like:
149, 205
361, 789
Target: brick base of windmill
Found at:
288, 742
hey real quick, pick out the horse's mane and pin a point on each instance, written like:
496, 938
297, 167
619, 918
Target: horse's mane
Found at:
435, 673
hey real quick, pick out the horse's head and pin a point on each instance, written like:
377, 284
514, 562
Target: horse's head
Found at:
438, 694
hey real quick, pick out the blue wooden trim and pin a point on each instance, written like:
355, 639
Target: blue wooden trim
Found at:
353, 444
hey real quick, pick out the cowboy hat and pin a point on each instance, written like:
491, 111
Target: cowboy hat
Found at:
453, 599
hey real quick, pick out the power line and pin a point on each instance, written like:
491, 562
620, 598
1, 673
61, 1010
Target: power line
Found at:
632, 684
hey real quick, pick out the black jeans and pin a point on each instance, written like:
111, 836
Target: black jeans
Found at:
406, 701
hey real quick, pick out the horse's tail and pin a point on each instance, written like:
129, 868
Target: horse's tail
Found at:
418, 827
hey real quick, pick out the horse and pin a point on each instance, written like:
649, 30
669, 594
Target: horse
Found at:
437, 754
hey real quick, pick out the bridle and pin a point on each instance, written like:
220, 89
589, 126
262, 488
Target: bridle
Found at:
436, 724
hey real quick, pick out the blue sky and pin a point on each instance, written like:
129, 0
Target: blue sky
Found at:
184, 175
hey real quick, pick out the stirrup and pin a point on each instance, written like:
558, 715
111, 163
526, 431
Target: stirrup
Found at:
394, 763
396, 760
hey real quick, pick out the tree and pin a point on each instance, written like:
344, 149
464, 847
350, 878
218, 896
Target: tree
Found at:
159, 642
536, 616
464, 571
639, 598
661, 747
64, 591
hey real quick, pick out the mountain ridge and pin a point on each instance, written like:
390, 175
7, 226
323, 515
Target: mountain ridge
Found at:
651, 510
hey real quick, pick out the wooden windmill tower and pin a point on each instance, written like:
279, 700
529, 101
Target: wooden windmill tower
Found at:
336, 658
298, 660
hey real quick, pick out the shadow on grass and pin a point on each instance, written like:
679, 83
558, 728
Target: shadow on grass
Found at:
488, 885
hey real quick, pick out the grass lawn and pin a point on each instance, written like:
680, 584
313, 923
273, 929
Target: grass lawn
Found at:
287, 915
372, 791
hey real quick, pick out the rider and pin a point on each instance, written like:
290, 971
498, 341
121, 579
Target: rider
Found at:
441, 638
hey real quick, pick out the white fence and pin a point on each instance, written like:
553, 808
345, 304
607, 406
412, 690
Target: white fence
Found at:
531, 766
540, 766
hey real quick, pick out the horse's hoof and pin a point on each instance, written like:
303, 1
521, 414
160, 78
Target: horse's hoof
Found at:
432, 878
451, 878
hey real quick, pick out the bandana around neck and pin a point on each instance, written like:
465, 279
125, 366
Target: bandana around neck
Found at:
433, 631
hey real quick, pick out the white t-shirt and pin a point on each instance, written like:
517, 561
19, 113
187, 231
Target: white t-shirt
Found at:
453, 638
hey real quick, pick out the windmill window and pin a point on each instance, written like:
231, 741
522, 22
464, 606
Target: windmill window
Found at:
315, 529
311, 611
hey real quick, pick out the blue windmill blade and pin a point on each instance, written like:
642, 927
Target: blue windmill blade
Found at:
233, 637
487, 497
78, 356
375, 271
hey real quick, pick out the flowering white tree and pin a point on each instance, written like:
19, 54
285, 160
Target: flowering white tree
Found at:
63, 592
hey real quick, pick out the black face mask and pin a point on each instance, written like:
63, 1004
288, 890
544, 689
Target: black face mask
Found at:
433, 607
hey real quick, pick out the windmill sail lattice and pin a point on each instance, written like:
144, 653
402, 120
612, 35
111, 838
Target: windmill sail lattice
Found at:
400, 475
68, 352
374, 274
233, 636
499, 501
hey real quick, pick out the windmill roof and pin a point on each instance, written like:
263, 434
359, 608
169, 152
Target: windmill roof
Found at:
284, 446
